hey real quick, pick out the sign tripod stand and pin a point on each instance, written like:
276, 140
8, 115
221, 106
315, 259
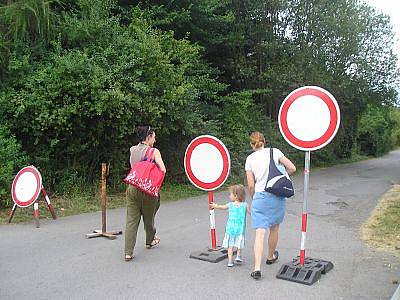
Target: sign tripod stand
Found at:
25, 190
103, 232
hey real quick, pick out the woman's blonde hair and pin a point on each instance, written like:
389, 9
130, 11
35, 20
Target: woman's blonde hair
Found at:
257, 139
238, 191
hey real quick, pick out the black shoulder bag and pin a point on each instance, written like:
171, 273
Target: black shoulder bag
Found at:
277, 183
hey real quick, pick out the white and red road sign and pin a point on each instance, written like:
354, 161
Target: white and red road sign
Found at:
25, 190
309, 118
26, 186
207, 165
207, 162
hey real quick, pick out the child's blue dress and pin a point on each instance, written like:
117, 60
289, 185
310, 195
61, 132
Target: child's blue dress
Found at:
236, 225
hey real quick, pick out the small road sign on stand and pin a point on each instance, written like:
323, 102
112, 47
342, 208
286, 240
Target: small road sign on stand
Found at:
103, 232
309, 119
25, 190
207, 165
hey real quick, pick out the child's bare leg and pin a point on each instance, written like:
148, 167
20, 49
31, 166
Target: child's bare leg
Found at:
238, 253
230, 254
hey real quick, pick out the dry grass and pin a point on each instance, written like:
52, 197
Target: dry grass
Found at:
382, 229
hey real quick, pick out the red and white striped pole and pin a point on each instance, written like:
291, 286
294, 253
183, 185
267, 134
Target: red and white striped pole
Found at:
12, 212
212, 221
53, 214
36, 214
304, 214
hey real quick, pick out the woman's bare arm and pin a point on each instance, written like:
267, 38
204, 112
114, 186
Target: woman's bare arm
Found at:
289, 166
159, 161
250, 182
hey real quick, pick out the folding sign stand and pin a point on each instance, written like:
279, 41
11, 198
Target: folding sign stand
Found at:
214, 254
103, 232
303, 130
207, 165
25, 190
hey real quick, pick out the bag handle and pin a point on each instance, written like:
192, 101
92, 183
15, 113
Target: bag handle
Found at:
149, 154
271, 154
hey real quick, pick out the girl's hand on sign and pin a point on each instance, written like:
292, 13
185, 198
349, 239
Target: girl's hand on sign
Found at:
217, 206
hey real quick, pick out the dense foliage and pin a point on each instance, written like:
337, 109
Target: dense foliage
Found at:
77, 76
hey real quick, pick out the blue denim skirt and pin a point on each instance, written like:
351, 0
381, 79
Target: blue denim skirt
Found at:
267, 210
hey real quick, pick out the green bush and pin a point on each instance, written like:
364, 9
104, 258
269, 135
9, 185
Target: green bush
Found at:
395, 117
240, 117
11, 158
375, 130
81, 102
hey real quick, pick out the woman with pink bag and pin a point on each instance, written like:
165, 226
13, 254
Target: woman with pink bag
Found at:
140, 204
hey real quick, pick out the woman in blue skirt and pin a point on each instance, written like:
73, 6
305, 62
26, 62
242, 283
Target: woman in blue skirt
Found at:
267, 210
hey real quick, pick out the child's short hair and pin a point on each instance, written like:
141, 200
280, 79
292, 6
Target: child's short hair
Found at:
239, 191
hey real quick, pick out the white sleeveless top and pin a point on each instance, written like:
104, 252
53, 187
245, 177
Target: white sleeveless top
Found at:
258, 163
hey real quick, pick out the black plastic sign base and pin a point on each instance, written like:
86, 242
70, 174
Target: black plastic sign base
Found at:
308, 274
210, 255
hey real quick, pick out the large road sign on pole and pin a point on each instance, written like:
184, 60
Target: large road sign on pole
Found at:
207, 164
309, 119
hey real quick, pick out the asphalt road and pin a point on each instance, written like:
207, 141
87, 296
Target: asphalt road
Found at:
56, 261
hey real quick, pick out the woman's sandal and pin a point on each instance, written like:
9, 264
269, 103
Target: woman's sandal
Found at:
129, 257
256, 275
154, 242
275, 258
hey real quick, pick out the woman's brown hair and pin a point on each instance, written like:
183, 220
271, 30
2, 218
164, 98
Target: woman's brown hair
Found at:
143, 132
238, 191
257, 139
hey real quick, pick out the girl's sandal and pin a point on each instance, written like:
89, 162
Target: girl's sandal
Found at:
154, 242
129, 257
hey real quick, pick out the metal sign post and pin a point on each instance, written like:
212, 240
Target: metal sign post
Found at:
103, 232
309, 119
212, 221
304, 214
207, 165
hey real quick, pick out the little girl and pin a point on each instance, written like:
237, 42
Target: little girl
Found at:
235, 227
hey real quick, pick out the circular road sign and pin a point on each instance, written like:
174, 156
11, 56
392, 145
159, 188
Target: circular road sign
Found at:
309, 118
26, 186
207, 162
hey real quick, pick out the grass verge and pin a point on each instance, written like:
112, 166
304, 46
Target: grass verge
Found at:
382, 229
83, 202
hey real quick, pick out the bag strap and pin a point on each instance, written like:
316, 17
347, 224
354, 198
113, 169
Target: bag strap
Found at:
271, 154
149, 155
146, 154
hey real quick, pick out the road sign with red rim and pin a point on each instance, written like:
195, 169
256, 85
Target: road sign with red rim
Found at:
309, 118
207, 162
26, 186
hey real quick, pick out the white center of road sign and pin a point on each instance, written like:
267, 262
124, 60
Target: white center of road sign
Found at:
309, 118
304, 114
207, 162
25, 187
206, 171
